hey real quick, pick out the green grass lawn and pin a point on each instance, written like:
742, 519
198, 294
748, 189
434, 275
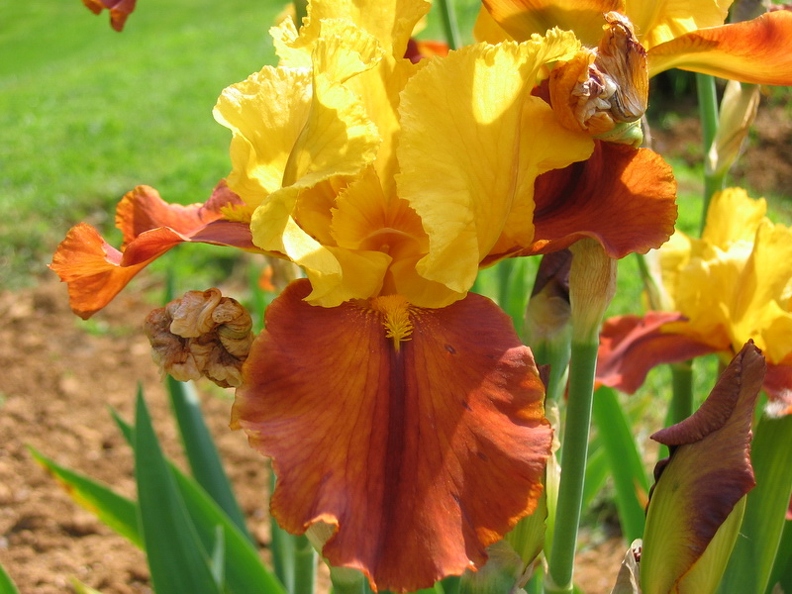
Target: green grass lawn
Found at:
88, 113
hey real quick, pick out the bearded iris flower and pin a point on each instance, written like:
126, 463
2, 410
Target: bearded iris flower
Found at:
403, 415
394, 403
730, 286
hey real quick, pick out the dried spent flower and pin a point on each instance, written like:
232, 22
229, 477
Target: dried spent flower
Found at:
202, 334
599, 89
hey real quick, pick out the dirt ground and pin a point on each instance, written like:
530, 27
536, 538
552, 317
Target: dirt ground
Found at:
57, 380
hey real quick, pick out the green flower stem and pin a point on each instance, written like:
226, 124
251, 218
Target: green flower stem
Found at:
653, 291
554, 352
293, 557
348, 581
450, 23
304, 566
708, 112
682, 391
573, 463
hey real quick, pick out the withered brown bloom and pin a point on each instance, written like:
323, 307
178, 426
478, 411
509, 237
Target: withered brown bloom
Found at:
202, 334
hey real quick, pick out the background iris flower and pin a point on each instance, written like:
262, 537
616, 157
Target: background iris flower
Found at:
730, 286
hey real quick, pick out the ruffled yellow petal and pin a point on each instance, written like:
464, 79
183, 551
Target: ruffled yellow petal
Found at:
734, 284
733, 216
291, 50
673, 257
265, 113
365, 218
337, 139
391, 23
523, 18
762, 299
348, 48
336, 274
663, 20
292, 126
755, 51
470, 149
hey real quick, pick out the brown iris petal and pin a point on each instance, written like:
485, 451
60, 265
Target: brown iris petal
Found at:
96, 271
778, 385
419, 457
622, 197
119, 10
632, 345
143, 209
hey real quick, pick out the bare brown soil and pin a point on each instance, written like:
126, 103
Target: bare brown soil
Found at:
57, 383
765, 167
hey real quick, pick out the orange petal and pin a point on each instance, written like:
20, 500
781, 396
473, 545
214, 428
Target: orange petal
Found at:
119, 10
522, 18
418, 49
631, 345
143, 209
622, 197
96, 271
418, 457
755, 51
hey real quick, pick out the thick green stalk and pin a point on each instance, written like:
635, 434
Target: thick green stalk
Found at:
682, 394
653, 291
450, 26
304, 566
592, 283
573, 463
282, 545
708, 112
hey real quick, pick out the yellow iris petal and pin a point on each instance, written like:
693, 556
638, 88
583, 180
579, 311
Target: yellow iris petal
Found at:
359, 273
367, 218
523, 18
735, 283
663, 20
761, 308
266, 113
488, 139
391, 23
733, 216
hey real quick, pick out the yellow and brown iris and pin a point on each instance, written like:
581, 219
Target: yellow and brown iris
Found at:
401, 411
731, 286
